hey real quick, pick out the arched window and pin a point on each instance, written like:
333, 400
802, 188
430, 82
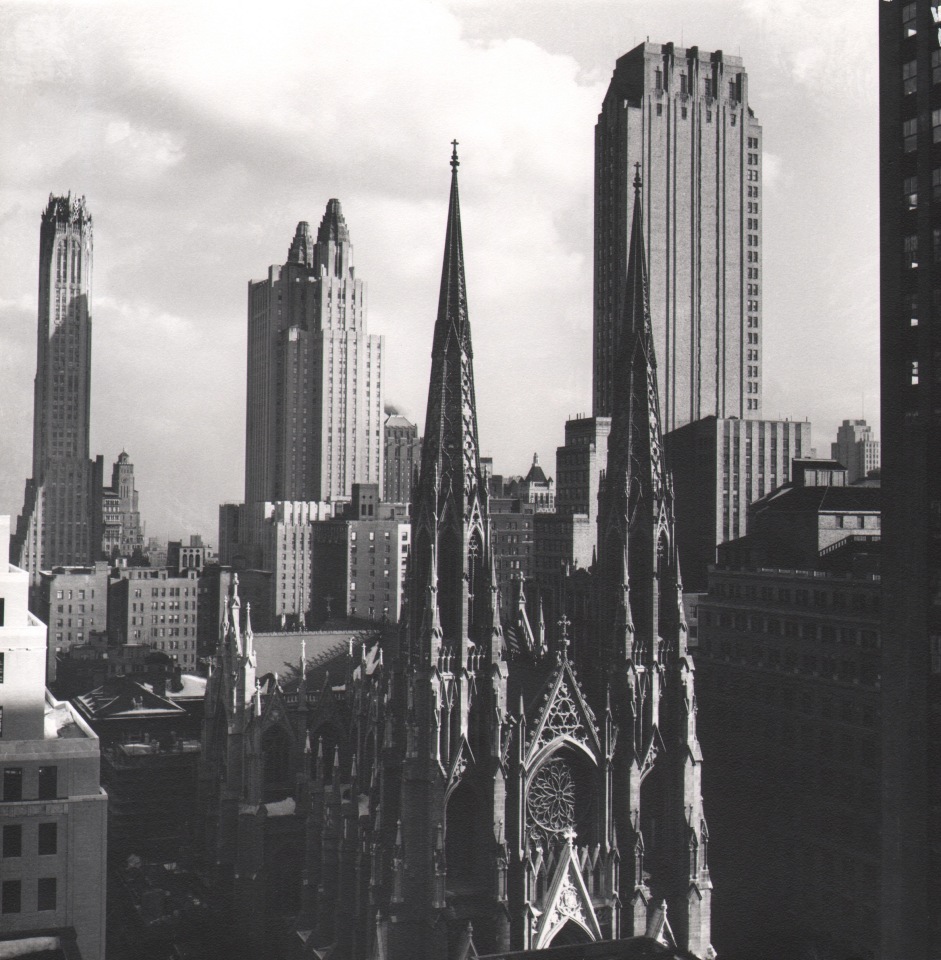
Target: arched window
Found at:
276, 751
462, 847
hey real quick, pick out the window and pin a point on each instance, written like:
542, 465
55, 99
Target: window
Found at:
683, 89
909, 79
910, 245
910, 135
910, 192
658, 80
936, 126
46, 893
683, 112
12, 897
12, 840
48, 783
659, 109
936, 66
12, 783
753, 175
909, 14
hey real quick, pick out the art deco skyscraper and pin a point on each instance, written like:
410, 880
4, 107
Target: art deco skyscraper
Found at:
60, 523
314, 404
910, 255
683, 114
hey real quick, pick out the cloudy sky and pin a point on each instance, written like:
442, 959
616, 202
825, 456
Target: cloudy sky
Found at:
200, 134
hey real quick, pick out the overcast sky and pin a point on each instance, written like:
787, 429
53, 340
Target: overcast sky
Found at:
201, 134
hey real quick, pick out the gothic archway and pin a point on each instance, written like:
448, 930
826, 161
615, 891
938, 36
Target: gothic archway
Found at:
276, 754
462, 839
569, 934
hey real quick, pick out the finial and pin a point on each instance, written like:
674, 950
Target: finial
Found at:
637, 180
455, 163
565, 623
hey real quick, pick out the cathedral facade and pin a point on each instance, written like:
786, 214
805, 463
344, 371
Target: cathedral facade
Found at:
453, 789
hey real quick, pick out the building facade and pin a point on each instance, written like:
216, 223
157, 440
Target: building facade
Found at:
720, 467
910, 226
578, 465
359, 561
155, 607
73, 602
314, 413
52, 810
60, 524
788, 657
856, 449
402, 456
455, 794
122, 533
684, 116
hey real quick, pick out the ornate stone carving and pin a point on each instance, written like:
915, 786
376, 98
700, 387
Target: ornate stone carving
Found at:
552, 797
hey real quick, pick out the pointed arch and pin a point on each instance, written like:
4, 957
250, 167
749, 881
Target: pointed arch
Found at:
463, 838
276, 754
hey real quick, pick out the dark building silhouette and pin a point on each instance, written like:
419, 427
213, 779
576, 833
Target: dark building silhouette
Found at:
788, 661
451, 790
910, 247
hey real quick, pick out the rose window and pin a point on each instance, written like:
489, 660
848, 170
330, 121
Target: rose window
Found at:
552, 797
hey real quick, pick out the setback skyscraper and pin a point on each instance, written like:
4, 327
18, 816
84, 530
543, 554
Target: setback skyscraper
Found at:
910, 248
683, 114
314, 405
60, 524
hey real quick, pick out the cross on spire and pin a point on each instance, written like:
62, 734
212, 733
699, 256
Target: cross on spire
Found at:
455, 163
564, 624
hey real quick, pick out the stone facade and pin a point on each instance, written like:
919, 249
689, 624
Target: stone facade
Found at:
402, 455
456, 790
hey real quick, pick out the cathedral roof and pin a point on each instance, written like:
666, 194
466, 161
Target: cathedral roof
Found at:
634, 948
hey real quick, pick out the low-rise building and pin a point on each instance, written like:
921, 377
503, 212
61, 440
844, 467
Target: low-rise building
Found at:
720, 466
188, 556
52, 808
152, 606
73, 603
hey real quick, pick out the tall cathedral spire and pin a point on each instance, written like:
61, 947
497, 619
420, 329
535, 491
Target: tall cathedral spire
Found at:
643, 636
449, 501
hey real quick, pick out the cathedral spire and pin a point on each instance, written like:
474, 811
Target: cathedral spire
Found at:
450, 532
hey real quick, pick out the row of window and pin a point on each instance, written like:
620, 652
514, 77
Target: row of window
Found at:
47, 840
47, 788
12, 896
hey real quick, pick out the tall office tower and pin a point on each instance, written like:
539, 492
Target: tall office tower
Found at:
910, 225
54, 813
314, 404
60, 523
402, 453
683, 115
856, 449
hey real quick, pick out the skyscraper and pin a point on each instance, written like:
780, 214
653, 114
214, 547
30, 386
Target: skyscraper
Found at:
314, 404
683, 114
60, 523
910, 249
